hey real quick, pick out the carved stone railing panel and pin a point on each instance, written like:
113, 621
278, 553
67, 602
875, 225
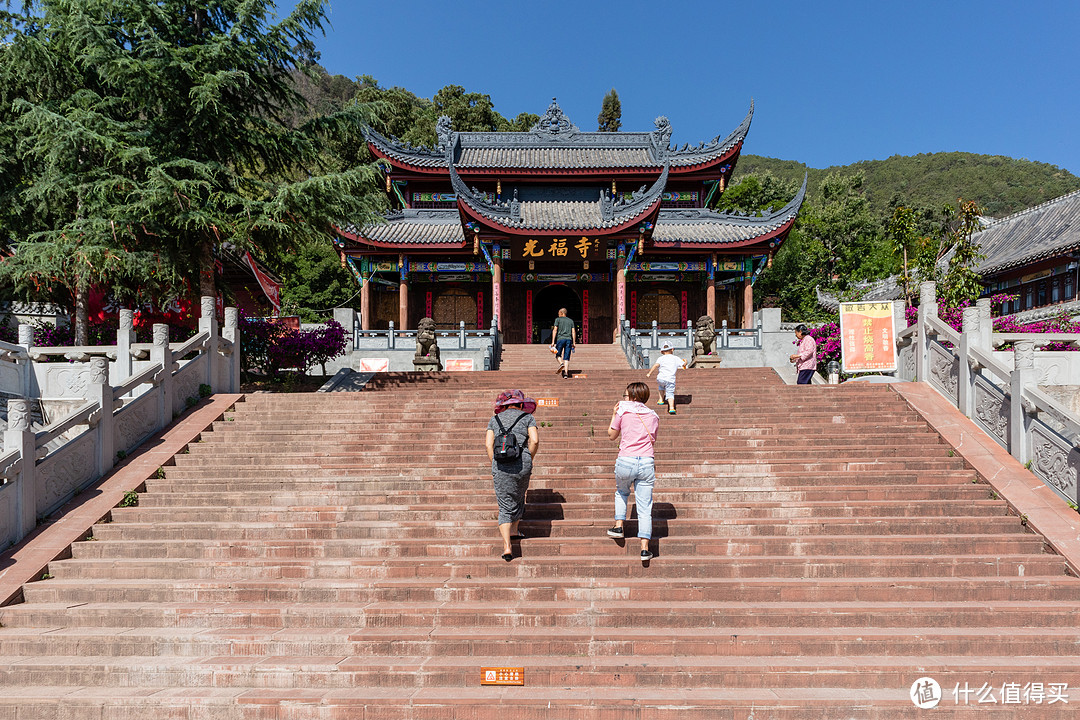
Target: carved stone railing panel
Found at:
991, 411
8, 522
65, 472
906, 362
135, 422
186, 382
1055, 460
944, 373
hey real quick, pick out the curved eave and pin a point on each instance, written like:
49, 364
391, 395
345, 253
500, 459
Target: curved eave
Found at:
729, 156
779, 232
696, 158
772, 226
383, 147
399, 247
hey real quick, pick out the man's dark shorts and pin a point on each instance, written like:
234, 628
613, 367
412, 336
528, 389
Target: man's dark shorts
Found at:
563, 348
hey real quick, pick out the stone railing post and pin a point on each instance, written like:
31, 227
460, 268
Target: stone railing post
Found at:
161, 356
986, 324
969, 337
26, 340
928, 307
125, 337
208, 324
99, 391
1023, 373
390, 337
231, 332
20, 437
655, 335
461, 335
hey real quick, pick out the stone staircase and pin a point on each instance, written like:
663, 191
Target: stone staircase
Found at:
818, 550
585, 359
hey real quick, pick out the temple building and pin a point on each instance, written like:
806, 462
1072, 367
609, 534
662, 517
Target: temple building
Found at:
512, 226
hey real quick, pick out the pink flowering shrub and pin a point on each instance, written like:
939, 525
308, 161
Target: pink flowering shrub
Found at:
271, 346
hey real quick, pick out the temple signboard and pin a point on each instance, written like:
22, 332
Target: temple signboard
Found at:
868, 341
556, 249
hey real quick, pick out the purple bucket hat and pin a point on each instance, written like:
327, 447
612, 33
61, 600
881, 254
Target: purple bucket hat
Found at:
514, 397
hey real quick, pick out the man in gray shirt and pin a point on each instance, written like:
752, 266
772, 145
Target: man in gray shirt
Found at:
562, 339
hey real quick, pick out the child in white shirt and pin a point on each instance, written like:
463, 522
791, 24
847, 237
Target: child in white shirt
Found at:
667, 364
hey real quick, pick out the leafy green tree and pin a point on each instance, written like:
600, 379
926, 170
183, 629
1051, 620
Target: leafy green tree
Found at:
610, 117
756, 193
314, 282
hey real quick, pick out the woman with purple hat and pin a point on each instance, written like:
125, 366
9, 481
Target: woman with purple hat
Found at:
513, 415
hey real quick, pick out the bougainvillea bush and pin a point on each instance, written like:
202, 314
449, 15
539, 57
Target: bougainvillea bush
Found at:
271, 347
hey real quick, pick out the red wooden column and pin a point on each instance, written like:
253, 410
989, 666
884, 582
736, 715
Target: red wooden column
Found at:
710, 291
496, 288
403, 295
620, 291
365, 305
748, 302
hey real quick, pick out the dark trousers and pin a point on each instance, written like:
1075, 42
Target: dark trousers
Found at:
805, 376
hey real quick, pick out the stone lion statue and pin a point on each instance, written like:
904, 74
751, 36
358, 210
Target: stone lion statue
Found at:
427, 345
705, 336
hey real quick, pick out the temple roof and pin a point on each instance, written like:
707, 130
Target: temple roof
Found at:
552, 212
412, 227
554, 143
701, 227
1031, 235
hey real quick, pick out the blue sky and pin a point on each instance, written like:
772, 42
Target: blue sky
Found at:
833, 82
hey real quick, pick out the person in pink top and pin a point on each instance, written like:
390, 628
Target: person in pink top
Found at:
634, 425
806, 358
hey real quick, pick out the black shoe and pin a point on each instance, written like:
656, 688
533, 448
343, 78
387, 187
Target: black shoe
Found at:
616, 532
646, 555
508, 556
518, 536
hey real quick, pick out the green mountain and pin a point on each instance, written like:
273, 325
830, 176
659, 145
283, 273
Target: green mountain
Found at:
1000, 185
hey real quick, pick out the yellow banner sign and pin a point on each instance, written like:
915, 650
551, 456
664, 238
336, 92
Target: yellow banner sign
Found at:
867, 337
581, 248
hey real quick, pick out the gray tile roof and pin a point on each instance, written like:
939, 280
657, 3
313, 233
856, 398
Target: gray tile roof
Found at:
691, 226
1031, 235
556, 143
560, 213
414, 227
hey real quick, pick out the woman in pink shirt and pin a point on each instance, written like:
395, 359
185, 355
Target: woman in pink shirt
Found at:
635, 426
806, 358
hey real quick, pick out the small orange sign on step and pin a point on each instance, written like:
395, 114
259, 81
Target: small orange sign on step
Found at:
547, 402
502, 676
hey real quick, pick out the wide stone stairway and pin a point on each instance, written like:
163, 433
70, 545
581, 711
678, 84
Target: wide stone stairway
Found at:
818, 551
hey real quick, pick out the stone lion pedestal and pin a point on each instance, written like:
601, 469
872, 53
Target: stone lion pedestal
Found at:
427, 358
704, 361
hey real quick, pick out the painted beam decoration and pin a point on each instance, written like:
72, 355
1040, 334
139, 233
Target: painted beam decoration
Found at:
868, 339
558, 249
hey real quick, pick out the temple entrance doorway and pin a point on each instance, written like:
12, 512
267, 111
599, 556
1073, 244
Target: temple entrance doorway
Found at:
546, 306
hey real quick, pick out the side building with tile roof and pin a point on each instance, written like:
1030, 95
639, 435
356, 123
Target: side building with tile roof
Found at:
1034, 255
513, 226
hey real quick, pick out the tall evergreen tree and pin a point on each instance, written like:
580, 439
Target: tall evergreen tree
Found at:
191, 104
610, 117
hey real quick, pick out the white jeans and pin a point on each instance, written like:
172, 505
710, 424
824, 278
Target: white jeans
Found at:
641, 471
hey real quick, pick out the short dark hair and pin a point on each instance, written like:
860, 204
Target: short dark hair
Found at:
800, 328
638, 392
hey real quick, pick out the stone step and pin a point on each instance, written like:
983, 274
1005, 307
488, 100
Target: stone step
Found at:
764, 512
812, 547
227, 529
81, 582
626, 569
264, 617
882, 702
